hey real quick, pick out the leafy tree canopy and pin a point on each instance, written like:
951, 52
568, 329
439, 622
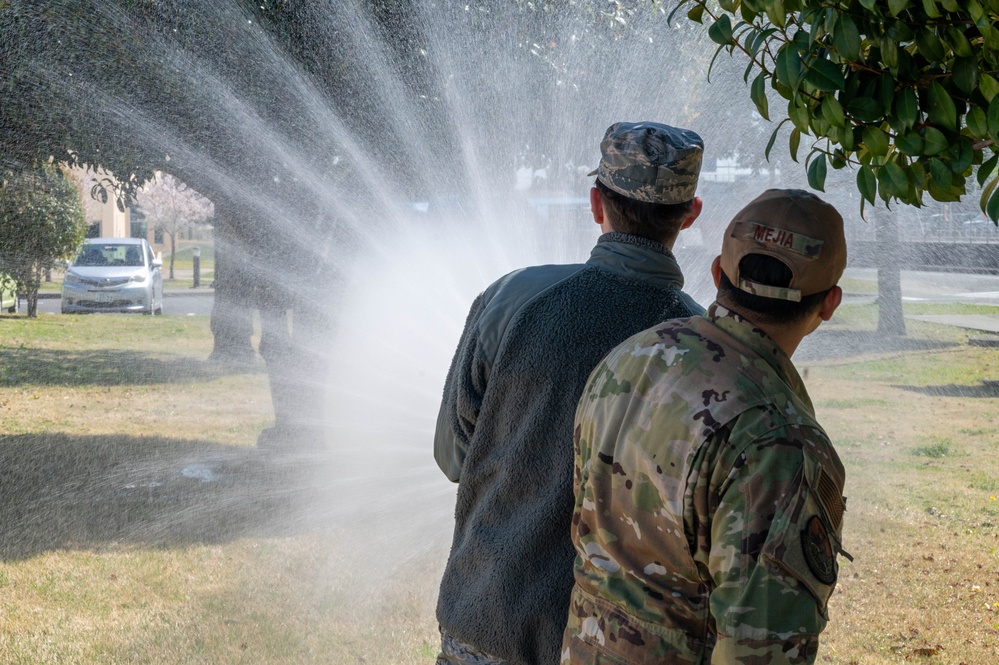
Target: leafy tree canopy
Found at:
41, 221
904, 91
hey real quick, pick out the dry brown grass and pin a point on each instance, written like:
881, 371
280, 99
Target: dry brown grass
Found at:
110, 554
916, 430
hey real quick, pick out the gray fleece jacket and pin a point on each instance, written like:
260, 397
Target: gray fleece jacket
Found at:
504, 433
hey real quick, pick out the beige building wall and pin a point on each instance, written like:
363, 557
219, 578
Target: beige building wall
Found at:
111, 222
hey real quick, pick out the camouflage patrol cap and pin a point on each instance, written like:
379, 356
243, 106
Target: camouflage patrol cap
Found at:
797, 228
650, 162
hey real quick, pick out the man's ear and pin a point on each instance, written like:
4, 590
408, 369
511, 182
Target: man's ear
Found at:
695, 211
830, 303
716, 271
596, 205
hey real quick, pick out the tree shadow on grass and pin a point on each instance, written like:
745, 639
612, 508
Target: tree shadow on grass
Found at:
953, 390
825, 344
91, 492
104, 367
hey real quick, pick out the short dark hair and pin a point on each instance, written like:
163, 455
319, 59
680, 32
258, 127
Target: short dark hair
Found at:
655, 221
770, 271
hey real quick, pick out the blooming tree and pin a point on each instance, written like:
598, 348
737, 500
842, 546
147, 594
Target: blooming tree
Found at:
173, 207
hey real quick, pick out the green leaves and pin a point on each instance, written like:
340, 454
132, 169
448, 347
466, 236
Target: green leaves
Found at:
966, 73
867, 183
876, 140
907, 107
959, 42
904, 91
817, 171
825, 75
942, 175
934, 141
990, 200
910, 143
892, 181
865, 109
988, 86
846, 38
930, 45
720, 31
775, 12
788, 66
942, 110
931, 9
992, 118
759, 95
794, 142
896, 6
696, 13
986, 169
43, 219
992, 207
799, 116
832, 111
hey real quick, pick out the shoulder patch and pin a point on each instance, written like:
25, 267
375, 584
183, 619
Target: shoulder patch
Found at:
818, 551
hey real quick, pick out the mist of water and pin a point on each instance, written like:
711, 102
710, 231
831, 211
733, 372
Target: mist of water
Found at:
503, 129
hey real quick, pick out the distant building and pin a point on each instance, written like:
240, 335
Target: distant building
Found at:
105, 220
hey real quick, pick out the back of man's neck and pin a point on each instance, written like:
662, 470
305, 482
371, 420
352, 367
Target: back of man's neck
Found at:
785, 336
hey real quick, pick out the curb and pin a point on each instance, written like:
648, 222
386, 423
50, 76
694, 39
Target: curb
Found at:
201, 291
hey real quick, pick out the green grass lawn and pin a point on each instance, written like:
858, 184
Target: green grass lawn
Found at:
115, 549
184, 259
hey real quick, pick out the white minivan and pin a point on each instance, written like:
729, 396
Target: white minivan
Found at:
113, 275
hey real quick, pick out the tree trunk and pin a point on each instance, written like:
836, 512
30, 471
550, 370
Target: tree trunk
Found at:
296, 329
31, 292
277, 350
891, 320
173, 251
297, 368
253, 269
232, 313
31, 299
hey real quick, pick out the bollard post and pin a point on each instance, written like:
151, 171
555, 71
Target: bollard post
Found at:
197, 268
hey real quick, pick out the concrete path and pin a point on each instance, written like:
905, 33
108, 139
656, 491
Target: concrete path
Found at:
982, 322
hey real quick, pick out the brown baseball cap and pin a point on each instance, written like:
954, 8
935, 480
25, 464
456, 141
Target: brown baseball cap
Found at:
797, 228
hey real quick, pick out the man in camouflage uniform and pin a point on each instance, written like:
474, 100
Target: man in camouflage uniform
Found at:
505, 427
708, 499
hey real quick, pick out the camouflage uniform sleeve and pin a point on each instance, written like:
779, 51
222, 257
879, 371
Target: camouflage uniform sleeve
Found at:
463, 390
774, 536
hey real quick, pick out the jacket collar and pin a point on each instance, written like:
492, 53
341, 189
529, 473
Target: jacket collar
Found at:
634, 256
760, 344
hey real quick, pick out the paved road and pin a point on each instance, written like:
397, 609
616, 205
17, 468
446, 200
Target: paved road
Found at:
916, 287
187, 302
938, 286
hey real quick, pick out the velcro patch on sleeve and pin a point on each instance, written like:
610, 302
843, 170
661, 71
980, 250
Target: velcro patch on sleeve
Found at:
803, 543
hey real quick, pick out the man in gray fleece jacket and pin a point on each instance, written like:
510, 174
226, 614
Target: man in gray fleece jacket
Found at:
504, 432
